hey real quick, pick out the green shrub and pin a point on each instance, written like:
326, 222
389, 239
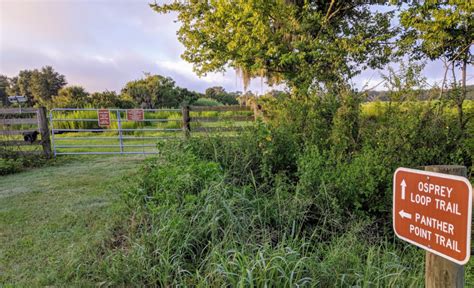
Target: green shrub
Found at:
240, 157
10, 166
188, 226
207, 102
15, 163
302, 199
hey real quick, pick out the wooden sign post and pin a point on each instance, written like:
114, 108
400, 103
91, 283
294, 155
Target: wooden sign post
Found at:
433, 211
440, 272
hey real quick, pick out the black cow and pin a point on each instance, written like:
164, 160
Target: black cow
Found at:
30, 137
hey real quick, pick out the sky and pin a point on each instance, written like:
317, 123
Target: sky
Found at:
103, 44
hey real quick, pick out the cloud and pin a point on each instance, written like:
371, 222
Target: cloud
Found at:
98, 44
103, 44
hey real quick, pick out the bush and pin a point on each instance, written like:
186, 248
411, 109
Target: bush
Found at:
301, 199
13, 164
360, 186
239, 157
190, 224
207, 102
10, 166
352, 153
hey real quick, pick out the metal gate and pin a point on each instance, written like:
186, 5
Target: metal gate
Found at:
112, 131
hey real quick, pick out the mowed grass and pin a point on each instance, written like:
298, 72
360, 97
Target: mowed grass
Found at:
49, 215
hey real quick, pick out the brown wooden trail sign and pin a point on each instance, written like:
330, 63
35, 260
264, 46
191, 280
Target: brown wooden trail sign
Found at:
103, 116
433, 211
135, 114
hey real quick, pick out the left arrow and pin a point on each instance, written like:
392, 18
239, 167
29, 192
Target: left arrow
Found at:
404, 214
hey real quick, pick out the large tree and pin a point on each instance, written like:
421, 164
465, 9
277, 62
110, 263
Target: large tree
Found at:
307, 44
106, 99
45, 84
21, 85
219, 94
4, 84
39, 86
71, 97
434, 30
155, 91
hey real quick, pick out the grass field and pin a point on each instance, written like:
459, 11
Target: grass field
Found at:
48, 215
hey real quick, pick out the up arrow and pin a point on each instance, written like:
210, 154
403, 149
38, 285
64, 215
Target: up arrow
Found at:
404, 214
404, 185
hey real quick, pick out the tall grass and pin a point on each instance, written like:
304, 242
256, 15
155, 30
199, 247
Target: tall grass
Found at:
301, 200
187, 223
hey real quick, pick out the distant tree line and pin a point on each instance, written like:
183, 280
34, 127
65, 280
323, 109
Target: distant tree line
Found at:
46, 87
423, 94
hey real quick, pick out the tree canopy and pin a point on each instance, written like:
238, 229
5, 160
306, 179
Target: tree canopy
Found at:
109, 99
39, 86
71, 96
45, 87
155, 91
437, 30
306, 44
4, 84
219, 94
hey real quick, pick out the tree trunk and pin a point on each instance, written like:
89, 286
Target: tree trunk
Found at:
463, 92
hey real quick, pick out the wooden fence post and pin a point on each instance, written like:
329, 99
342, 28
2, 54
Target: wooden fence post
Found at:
44, 131
186, 121
440, 272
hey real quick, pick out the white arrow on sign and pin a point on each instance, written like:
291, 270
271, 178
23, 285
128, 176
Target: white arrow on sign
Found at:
404, 214
404, 185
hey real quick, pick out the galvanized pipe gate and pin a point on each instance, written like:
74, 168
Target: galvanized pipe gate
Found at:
82, 131
91, 131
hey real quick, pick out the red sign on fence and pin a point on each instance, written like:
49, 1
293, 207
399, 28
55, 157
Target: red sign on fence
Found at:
103, 116
433, 211
135, 114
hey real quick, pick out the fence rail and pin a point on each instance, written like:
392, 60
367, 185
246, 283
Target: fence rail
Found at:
195, 116
17, 129
220, 119
13, 121
16, 132
4, 143
18, 111
220, 108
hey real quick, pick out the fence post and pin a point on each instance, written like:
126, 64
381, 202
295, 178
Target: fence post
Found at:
440, 272
44, 130
119, 126
51, 124
186, 120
